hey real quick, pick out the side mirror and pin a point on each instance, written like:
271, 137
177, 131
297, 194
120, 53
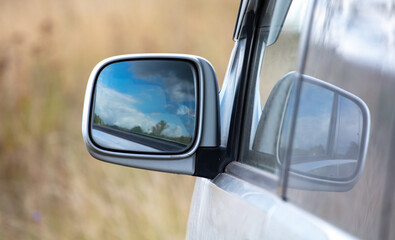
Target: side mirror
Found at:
330, 136
152, 111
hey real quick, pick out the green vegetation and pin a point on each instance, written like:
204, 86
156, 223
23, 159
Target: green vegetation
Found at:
137, 129
97, 120
159, 128
51, 188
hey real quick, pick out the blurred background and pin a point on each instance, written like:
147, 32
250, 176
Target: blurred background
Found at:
50, 187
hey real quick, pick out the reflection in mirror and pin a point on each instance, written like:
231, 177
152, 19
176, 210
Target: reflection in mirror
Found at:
145, 106
327, 147
328, 134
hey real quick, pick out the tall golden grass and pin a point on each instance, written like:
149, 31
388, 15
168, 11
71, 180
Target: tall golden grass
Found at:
50, 188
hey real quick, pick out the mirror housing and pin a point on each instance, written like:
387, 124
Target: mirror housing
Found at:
318, 133
115, 96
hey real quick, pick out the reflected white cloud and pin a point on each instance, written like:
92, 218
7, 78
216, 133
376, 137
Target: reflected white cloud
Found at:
115, 108
175, 131
184, 110
360, 32
119, 109
181, 90
179, 83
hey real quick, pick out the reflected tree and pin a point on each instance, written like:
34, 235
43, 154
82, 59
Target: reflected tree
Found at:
159, 128
98, 120
137, 129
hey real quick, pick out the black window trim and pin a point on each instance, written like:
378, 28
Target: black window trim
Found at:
249, 30
253, 175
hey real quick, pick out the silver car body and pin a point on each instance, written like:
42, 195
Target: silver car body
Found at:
350, 44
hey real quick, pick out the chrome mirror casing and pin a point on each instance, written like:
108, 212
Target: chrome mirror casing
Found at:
109, 139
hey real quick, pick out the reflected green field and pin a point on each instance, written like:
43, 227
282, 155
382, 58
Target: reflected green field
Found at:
50, 187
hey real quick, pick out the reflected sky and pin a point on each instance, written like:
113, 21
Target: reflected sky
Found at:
143, 93
359, 31
328, 133
313, 127
314, 116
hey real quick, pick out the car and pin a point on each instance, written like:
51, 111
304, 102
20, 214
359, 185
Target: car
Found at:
297, 144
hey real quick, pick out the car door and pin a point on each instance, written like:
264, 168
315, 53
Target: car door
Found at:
245, 202
255, 198
351, 46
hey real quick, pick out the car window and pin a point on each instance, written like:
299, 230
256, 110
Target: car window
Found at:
350, 47
279, 58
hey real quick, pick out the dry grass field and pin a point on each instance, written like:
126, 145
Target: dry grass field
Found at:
50, 188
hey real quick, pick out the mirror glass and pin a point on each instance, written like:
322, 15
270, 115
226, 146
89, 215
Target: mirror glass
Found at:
145, 105
328, 133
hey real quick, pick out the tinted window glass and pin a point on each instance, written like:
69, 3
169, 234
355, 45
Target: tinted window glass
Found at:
350, 47
314, 115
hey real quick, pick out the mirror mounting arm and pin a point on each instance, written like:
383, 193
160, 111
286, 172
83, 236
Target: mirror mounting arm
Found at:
208, 162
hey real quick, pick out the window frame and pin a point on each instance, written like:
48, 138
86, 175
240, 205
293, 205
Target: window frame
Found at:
247, 86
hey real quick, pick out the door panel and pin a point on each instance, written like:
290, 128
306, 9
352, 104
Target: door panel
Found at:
351, 46
230, 208
218, 214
